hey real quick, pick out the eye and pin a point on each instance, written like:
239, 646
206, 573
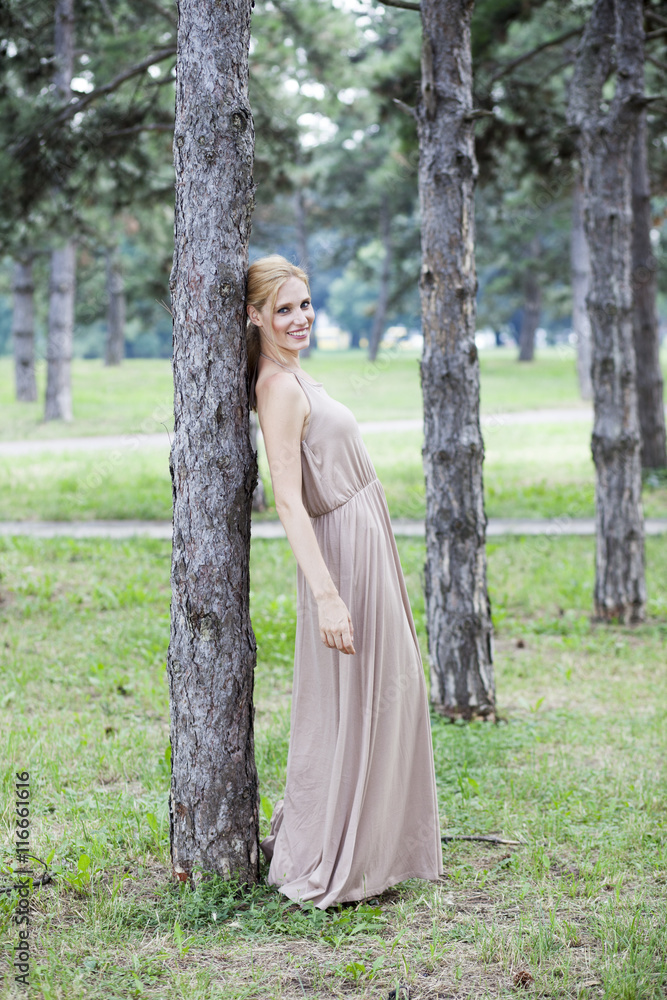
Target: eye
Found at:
305, 304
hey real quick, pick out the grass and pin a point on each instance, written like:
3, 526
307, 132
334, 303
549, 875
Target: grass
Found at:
134, 398
137, 396
540, 470
531, 470
575, 769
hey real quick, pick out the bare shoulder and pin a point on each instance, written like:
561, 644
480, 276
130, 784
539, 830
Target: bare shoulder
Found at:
281, 399
278, 386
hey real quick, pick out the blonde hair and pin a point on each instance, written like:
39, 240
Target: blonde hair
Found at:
265, 279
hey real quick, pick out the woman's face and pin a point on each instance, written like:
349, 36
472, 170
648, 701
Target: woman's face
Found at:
292, 317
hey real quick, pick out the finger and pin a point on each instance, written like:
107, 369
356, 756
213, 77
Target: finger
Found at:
348, 645
340, 642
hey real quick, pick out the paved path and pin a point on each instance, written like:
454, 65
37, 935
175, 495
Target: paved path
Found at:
132, 441
555, 526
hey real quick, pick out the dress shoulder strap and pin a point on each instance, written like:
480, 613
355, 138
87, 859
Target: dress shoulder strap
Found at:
297, 374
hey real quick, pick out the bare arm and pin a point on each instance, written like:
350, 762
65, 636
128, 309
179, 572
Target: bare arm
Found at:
282, 409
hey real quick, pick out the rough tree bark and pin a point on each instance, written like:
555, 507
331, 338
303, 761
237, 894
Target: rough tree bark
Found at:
532, 308
58, 404
214, 803
114, 349
383, 296
606, 138
23, 329
580, 270
650, 397
457, 603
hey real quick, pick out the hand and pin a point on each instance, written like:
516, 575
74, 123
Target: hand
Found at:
335, 624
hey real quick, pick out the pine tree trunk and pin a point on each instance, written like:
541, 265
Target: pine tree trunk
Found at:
580, 269
214, 801
58, 404
606, 140
115, 341
383, 298
23, 330
645, 319
457, 603
532, 308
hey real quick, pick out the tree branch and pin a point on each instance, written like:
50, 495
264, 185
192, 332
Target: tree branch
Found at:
478, 113
135, 129
403, 4
159, 9
405, 107
656, 62
658, 18
73, 109
529, 55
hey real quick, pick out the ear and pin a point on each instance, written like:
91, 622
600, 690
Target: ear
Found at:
253, 315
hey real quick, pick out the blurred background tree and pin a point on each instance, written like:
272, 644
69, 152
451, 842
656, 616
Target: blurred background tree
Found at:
332, 84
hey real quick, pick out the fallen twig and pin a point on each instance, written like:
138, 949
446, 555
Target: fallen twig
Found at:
487, 839
44, 880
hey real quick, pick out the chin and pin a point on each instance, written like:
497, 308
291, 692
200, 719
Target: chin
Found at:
297, 345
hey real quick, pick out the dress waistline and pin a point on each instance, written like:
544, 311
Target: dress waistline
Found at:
353, 497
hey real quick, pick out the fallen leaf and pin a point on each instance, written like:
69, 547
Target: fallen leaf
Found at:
523, 978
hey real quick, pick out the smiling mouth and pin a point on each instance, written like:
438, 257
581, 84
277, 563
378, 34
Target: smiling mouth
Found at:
298, 333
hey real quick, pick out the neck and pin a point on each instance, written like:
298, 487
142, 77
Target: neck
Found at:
271, 357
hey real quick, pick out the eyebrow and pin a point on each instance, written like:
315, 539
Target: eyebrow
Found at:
281, 305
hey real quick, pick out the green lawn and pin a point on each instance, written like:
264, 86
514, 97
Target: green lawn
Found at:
575, 769
539, 470
531, 470
137, 396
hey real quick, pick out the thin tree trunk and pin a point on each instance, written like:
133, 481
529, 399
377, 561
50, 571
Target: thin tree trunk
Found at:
301, 217
23, 330
58, 404
115, 340
214, 801
301, 230
383, 298
532, 308
457, 603
606, 140
580, 269
645, 319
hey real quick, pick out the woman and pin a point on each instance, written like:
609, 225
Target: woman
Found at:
360, 808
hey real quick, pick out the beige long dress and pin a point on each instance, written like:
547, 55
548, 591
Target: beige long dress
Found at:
360, 810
